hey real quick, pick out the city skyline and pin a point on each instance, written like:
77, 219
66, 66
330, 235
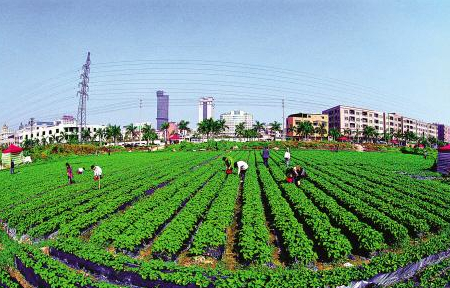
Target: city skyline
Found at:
395, 62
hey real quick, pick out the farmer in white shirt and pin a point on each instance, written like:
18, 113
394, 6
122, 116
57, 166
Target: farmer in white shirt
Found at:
80, 170
242, 169
97, 174
287, 157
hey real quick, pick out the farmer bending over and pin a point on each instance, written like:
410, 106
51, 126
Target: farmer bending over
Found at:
97, 174
299, 173
228, 164
242, 169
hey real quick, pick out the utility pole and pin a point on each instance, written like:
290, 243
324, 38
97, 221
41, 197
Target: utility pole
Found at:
83, 93
140, 119
283, 134
31, 127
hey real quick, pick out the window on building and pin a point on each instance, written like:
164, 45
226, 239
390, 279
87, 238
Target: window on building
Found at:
43, 133
352, 112
50, 132
391, 118
346, 124
346, 111
352, 118
352, 125
346, 118
364, 113
95, 129
357, 113
57, 131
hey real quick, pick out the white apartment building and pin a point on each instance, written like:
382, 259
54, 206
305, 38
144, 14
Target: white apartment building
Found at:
6, 136
233, 118
67, 125
356, 119
205, 108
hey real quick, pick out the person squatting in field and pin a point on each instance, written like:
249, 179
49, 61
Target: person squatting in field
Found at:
228, 164
295, 175
97, 174
69, 173
265, 156
242, 169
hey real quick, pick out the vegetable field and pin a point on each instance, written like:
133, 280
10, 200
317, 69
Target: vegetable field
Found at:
175, 219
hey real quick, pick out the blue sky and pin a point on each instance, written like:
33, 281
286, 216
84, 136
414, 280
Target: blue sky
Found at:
385, 55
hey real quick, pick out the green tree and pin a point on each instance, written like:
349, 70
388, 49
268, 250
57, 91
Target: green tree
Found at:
369, 133
348, 132
149, 134
274, 128
113, 133
85, 135
183, 126
321, 130
100, 134
334, 133
239, 130
165, 127
218, 127
131, 131
259, 127
305, 129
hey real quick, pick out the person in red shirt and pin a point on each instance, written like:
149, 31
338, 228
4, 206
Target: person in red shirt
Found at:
69, 173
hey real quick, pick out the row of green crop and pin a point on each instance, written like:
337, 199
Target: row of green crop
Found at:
116, 224
181, 227
393, 232
380, 187
146, 226
366, 239
295, 240
408, 205
46, 184
253, 238
52, 272
212, 232
402, 216
57, 201
256, 277
123, 195
328, 238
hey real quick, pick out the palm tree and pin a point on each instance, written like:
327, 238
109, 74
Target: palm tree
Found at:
304, 128
275, 127
387, 137
205, 127
100, 135
348, 133
148, 133
64, 137
165, 128
334, 133
132, 131
85, 135
369, 133
183, 126
239, 130
218, 127
357, 134
259, 126
113, 132
44, 141
321, 130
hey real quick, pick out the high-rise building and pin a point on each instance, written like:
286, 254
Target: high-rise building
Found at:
205, 108
356, 119
444, 133
162, 109
233, 118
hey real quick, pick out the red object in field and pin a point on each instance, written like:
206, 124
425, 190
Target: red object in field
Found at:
96, 178
229, 171
290, 179
12, 149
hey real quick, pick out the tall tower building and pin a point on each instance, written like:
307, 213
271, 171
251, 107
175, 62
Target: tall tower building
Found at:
162, 109
205, 108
